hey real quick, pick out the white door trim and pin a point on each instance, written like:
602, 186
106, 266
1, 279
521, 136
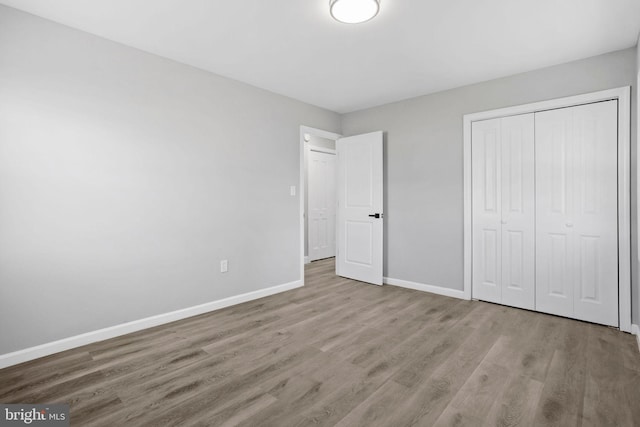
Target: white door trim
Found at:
637, 180
321, 134
623, 95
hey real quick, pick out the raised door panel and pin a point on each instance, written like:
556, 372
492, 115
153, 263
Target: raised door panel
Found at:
359, 243
554, 187
518, 211
486, 210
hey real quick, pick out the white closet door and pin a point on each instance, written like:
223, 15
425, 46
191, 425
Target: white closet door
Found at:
576, 209
518, 211
487, 210
503, 210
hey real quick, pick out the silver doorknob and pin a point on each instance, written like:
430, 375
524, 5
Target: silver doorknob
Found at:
569, 224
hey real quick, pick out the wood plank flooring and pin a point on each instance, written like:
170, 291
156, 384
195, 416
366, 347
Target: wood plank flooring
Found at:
340, 352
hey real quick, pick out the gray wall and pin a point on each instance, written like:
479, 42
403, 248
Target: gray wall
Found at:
423, 182
125, 178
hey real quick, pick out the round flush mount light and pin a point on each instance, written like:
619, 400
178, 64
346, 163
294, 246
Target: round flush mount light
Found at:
354, 11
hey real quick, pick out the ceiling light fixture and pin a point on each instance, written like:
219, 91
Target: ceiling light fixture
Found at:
354, 11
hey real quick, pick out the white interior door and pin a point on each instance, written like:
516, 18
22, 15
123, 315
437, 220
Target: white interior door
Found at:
504, 211
322, 205
360, 197
576, 198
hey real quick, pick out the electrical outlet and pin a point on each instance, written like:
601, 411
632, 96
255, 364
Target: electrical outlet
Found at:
224, 266
292, 190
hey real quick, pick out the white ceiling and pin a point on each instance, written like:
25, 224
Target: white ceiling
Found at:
413, 47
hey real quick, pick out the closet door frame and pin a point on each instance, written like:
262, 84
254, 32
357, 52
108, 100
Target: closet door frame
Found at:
623, 96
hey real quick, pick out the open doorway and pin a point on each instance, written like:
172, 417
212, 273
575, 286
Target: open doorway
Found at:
320, 193
341, 214
318, 201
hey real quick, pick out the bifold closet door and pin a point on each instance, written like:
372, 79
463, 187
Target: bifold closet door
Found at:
503, 210
576, 210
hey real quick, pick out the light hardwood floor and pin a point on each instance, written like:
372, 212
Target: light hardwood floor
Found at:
340, 352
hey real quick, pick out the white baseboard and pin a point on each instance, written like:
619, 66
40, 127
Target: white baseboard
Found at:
635, 330
454, 293
306, 260
42, 350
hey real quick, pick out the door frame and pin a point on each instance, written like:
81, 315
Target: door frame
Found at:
623, 96
302, 208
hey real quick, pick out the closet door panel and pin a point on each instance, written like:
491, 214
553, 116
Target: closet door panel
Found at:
554, 191
595, 218
518, 211
486, 208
